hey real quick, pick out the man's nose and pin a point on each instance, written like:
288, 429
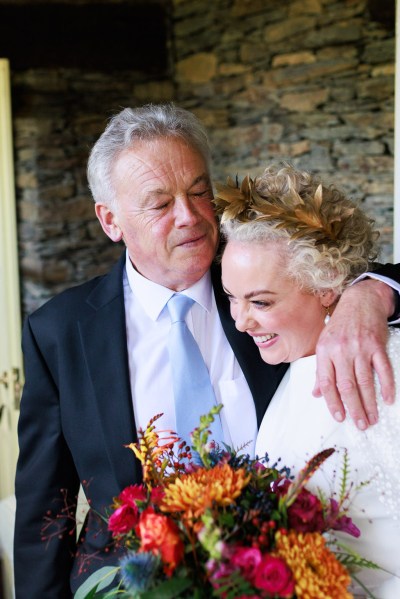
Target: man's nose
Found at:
185, 212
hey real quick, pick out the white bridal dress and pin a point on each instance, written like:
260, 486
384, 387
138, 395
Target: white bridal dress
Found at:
297, 425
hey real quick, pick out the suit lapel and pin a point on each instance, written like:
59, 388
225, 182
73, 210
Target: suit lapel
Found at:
103, 336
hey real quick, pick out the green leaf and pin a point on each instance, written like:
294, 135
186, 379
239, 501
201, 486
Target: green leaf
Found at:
367, 591
96, 582
168, 589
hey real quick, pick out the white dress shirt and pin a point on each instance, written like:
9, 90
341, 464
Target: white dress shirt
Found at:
393, 284
147, 327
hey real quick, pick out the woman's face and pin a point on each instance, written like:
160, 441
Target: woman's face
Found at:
284, 321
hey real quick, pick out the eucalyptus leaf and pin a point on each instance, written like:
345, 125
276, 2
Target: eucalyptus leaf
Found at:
169, 589
98, 581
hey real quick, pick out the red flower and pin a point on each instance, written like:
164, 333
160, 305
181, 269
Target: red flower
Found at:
274, 576
123, 520
130, 495
157, 494
247, 559
305, 515
160, 535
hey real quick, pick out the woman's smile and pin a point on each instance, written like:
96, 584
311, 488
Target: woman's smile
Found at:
283, 320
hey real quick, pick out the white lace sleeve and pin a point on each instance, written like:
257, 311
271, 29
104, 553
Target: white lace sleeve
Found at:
380, 444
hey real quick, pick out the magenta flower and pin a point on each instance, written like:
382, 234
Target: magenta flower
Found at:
130, 495
342, 523
123, 520
247, 559
305, 515
274, 576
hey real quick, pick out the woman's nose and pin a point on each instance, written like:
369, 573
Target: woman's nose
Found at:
241, 316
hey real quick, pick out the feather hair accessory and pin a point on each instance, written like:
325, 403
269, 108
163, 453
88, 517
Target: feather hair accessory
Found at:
302, 216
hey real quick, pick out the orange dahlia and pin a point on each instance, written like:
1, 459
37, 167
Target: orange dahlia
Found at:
316, 571
193, 493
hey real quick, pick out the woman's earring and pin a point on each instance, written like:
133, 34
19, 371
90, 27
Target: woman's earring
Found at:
327, 315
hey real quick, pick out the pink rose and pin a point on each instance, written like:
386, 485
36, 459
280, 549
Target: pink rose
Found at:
274, 576
247, 559
305, 514
123, 519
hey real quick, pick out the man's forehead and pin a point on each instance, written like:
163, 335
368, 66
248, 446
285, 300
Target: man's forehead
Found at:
156, 167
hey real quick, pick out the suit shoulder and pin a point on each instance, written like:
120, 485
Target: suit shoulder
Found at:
79, 300
68, 298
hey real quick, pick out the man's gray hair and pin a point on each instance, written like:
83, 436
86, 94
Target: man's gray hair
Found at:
147, 122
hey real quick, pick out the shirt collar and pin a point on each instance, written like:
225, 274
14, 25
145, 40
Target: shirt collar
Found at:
154, 297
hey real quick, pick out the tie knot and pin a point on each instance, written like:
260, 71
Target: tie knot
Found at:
178, 306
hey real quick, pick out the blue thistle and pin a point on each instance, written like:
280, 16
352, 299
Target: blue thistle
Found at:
138, 570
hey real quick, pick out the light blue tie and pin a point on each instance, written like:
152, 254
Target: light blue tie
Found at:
193, 392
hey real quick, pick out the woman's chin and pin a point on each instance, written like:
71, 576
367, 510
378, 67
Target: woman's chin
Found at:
272, 359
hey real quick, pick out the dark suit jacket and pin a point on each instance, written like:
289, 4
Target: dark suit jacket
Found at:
76, 417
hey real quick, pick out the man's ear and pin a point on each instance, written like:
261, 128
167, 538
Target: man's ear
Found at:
108, 222
328, 298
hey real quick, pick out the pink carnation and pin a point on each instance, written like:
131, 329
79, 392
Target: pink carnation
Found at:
123, 519
130, 495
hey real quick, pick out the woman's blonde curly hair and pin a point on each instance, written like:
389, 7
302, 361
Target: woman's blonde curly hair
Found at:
327, 239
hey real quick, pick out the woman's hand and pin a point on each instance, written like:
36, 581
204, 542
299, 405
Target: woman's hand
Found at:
351, 347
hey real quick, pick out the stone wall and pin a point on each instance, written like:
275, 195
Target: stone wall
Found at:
310, 82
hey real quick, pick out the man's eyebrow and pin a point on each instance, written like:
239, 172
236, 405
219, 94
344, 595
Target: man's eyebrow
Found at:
201, 178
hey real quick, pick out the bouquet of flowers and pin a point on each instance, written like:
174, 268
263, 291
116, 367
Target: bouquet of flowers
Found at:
209, 522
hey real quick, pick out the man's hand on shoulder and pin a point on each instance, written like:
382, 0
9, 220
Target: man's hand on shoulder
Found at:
351, 347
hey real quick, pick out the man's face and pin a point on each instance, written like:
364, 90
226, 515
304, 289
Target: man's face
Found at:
163, 212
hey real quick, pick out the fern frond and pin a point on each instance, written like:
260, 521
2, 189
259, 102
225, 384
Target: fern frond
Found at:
345, 472
349, 560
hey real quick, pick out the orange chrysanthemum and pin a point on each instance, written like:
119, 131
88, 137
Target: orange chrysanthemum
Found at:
316, 571
193, 493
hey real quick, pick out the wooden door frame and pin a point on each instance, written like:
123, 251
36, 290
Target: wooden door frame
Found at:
396, 207
10, 304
